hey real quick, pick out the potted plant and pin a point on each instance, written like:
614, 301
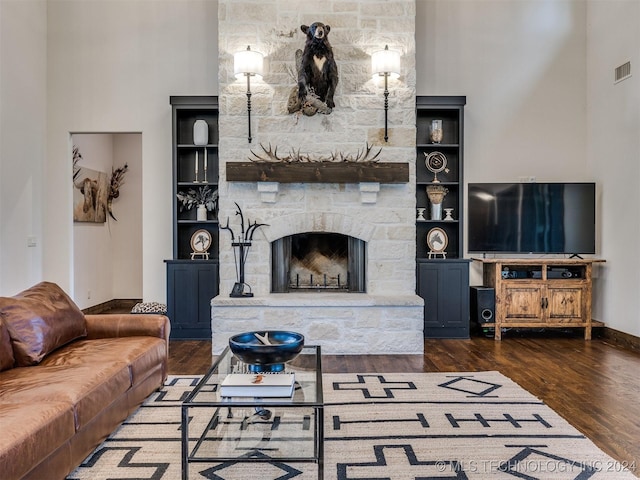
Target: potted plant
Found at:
204, 198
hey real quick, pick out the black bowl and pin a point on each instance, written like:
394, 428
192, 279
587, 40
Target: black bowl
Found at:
284, 347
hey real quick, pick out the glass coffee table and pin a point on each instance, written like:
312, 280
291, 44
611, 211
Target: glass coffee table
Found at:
220, 434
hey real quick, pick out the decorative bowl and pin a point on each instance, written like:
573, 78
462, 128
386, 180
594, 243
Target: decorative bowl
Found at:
266, 351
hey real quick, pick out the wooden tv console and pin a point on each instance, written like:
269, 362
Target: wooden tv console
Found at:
539, 293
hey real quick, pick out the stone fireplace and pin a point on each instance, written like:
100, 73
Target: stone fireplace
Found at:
370, 226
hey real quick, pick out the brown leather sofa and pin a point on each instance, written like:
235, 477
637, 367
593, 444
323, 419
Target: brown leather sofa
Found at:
67, 380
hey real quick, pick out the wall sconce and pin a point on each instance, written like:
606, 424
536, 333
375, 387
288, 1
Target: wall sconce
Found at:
248, 63
386, 63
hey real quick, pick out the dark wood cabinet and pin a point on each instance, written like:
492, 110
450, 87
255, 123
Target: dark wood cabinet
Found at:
442, 273
192, 275
444, 286
190, 287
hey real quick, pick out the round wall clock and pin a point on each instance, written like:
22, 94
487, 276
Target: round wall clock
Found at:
437, 240
201, 241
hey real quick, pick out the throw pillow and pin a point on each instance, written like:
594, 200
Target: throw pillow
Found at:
150, 307
39, 320
6, 352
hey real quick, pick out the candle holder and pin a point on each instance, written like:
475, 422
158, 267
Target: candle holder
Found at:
448, 217
205, 167
195, 180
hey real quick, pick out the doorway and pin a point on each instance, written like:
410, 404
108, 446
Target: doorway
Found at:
107, 243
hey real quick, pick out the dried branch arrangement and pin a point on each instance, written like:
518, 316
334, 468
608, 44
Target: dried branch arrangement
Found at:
270, 155
117, 180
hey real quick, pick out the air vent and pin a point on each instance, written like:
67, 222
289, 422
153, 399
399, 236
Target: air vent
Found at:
622, 72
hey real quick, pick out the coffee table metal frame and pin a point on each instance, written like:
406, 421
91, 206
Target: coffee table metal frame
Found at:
206, 394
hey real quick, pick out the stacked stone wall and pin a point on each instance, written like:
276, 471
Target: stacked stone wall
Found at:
383, 215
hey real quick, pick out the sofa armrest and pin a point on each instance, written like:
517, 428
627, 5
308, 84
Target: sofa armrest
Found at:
127, 325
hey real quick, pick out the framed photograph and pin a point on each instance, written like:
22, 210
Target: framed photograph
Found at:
201, 241
437, 240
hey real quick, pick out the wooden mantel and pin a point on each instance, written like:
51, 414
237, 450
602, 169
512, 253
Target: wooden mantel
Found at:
318, 172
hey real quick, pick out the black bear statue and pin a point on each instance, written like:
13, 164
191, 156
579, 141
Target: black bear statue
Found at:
317, 69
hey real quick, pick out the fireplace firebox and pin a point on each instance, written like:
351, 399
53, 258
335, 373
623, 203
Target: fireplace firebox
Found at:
319, 262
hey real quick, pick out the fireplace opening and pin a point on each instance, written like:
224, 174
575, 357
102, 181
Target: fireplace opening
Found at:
318, 261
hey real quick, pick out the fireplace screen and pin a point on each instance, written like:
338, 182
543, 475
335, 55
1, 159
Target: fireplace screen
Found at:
318, 262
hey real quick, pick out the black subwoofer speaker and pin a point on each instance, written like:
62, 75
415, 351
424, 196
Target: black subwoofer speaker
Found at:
483, 304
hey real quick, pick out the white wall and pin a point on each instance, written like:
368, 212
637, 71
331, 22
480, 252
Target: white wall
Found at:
23, 80
126, 232
613, 139
522, 67
111, 68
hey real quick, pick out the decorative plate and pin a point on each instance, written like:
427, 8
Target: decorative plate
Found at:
201, 241
437, 240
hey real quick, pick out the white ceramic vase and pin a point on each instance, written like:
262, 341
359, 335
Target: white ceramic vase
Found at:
200, 132
201, 213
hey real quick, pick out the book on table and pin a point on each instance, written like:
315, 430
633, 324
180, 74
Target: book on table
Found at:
258, 385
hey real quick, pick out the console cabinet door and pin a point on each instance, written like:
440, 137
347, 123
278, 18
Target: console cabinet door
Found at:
444, 286
565, 304
523, 303
190, 287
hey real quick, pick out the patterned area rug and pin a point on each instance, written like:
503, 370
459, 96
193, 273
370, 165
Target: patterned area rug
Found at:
391, 426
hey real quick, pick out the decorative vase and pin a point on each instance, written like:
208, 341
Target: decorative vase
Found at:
200, 132
436, 194
436, 133
436, 211
201, 213
420, 217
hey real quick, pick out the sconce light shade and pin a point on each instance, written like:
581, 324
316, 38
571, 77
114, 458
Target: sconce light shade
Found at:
247, 62
386, 62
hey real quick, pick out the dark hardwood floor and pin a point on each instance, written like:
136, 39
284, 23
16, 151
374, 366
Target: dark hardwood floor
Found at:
593, 384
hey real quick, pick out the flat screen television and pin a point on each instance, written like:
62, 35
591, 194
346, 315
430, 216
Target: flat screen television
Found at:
532, 218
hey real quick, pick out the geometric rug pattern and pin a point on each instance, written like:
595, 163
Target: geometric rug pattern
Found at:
385, 426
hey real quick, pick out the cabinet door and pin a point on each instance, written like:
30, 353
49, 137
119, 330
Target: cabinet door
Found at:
444, 286
523, 303
565, 304
190, 288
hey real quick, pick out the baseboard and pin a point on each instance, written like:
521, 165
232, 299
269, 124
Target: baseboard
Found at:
620, 339
119, 305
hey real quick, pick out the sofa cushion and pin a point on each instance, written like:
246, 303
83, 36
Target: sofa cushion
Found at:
6, 351
30, 432
39, 320
86, 389
142, 355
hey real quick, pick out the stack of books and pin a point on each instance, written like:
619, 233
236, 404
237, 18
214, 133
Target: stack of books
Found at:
262, 385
